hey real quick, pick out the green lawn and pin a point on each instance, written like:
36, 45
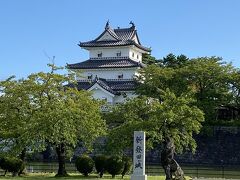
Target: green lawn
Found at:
201, 171
151, 170
50, 176
154, 172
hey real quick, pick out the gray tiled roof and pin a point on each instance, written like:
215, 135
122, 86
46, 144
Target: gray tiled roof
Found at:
114, 87
103, 83
101, 63
122, 36
125, 33
122, 85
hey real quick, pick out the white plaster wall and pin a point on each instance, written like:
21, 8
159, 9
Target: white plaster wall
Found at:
99, 94
120, 99
108, 52
137, 55
131, 94
109, 73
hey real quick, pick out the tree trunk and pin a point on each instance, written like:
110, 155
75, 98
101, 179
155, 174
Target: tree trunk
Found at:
169, 164
60, 149
22, 156
14, 174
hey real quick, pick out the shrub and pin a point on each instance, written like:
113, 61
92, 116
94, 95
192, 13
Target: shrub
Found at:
12, 164
127, 165
84, 164
3, 164
115, 165
100, 164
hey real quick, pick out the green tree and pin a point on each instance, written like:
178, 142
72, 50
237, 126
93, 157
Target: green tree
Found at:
173, 116
235, 87
63, 115
16, 116
211, 82
148, 59
152, 79
209, 79
173, 61
67, 115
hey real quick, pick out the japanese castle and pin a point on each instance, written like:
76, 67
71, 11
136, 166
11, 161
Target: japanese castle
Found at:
114, 58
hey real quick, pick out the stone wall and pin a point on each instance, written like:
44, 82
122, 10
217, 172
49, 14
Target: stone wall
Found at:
220, 146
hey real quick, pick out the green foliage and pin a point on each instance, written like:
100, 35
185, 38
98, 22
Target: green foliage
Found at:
209, 79
84, 164
235, 87
148, 59
172, 61
100, 164
42, 108
211, 82
16, 114
177, 92
154, 79
127, 165
47, 108
173, 116
12, 164
115, 165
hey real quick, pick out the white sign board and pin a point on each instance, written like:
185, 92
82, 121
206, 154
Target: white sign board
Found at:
139, 156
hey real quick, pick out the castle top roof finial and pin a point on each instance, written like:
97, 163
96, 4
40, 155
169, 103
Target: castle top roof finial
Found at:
107, 25
133, 25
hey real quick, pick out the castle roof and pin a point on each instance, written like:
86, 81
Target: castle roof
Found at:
102, 63
112, 86
119, 37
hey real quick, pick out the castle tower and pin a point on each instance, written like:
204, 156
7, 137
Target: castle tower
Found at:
114, 58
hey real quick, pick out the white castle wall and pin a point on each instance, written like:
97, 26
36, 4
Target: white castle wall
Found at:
108, 52
128, 73
121, 98
133, 53
99, 94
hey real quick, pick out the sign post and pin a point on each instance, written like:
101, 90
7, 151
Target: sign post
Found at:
139, 156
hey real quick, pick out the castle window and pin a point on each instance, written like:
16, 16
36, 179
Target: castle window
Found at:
89, 76
118, 53
133, 54
124, 94
120, 76
99, 54
104, 99
137, 56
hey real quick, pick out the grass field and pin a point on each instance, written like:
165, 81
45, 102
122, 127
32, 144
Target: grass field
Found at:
154, 172
50, 176
151, 170
201, 171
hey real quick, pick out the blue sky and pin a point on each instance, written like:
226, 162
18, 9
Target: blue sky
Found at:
32, 31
